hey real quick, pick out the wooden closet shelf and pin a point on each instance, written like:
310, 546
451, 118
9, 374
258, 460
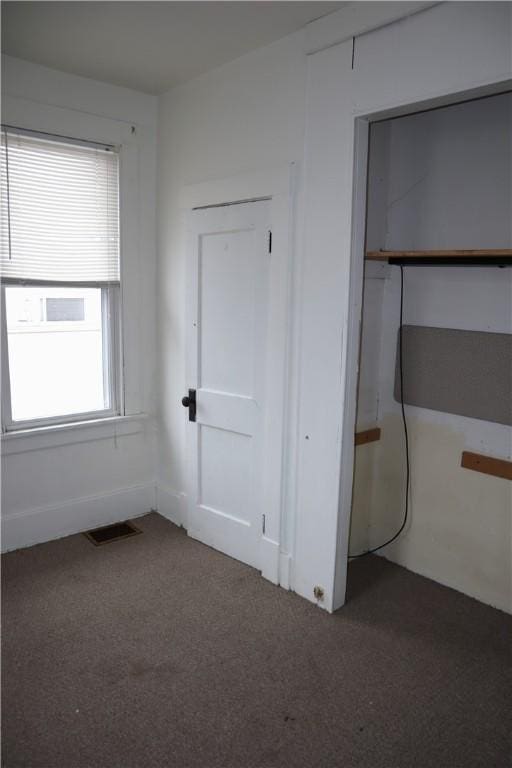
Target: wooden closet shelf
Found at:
490, 256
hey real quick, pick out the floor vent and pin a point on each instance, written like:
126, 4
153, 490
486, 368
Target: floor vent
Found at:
111, 533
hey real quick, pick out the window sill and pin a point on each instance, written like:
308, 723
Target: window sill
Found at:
22, 440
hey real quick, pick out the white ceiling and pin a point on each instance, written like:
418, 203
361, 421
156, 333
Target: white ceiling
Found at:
149, 46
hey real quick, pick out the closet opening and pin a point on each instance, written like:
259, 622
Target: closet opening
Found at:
432, 475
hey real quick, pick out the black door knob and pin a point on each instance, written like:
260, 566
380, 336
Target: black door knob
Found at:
189, 401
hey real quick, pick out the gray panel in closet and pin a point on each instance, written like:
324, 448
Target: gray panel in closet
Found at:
468, 373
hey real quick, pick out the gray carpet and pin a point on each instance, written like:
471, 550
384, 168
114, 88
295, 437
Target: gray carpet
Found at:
158, 651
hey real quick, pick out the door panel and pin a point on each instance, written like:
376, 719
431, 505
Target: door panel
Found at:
227, 300
225, 454
224, 410
227, 292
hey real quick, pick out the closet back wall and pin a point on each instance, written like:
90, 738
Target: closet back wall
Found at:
440, 179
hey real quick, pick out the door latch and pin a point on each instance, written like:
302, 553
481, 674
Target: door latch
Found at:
190, 403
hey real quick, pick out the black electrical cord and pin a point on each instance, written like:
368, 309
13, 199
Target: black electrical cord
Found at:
404, 420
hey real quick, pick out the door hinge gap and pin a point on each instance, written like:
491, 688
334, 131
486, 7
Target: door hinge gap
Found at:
270, 241
263, 523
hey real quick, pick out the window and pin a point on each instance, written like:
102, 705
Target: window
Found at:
60, 280
62, 308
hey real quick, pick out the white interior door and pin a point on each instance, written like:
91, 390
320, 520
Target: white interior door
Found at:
227, 308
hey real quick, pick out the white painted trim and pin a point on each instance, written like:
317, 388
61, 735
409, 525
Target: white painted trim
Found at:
5, 394
172, 505
285, 562
31, 115
34, 526
23, 440
78, 93
437, 98
269, 559
351, 338
254, 185
325, 221
24, 113
292, 378
356, 19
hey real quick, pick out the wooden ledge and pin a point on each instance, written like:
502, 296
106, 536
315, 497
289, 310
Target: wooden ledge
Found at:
368, 436
488, 465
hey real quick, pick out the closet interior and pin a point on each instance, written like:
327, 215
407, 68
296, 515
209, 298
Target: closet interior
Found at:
434, 407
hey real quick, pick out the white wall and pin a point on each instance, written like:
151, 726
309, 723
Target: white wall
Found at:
67, 480
447, 183
245, 116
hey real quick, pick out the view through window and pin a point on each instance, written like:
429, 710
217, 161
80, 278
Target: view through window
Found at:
55, 343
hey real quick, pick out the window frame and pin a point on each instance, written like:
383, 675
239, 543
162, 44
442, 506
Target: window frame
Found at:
112, 336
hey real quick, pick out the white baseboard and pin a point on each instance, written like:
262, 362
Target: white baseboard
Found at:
285, 562
35, 526
269, 559
172, 505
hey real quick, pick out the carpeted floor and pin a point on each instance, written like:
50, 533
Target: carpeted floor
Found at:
158, 651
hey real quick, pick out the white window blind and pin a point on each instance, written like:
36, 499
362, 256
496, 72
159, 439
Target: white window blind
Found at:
60, 211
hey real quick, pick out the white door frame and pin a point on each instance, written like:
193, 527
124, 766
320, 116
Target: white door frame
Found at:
359, 207
278, 187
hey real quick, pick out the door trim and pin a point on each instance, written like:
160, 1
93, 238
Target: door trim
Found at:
242, 188
278, 186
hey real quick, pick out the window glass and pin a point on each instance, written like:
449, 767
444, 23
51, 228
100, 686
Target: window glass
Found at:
65, 309
56, 351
